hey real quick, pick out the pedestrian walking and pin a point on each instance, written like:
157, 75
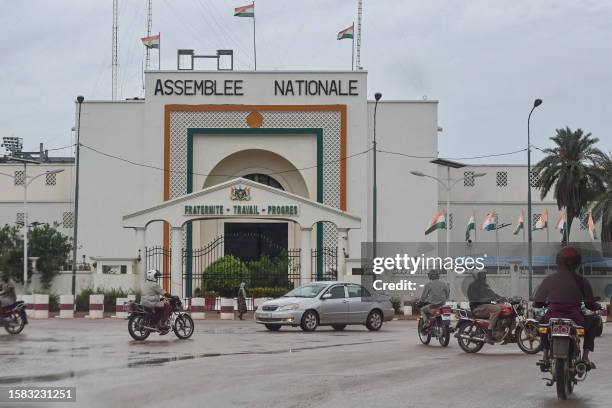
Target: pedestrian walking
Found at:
242, 307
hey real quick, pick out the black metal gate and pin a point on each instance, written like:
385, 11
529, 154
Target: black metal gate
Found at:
211, 269
159, 258
324, 263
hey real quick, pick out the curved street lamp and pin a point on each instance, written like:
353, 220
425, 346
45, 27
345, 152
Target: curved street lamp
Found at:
536, 103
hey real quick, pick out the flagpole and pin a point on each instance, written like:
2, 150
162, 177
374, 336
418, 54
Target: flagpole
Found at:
254, 42
353, 49
497, 240
159, 53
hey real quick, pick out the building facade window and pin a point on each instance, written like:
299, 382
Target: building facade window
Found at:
19, 178
264, 179
50, 179
68, 220
502, 179
468, 179
534, 179
19, 219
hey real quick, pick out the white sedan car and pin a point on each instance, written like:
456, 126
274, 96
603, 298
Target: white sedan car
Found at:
336, 304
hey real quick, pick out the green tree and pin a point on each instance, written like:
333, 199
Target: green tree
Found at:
570, 171
52, 248
45, 242
602, 210
11, 253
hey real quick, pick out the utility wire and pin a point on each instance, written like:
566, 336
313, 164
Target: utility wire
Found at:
452, 158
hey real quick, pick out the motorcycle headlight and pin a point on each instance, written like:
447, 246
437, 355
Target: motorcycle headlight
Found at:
291, 306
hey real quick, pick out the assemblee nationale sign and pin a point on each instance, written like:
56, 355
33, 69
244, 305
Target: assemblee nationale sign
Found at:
248, 209
235, 87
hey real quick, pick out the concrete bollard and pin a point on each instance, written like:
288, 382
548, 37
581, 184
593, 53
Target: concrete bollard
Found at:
258, 302
66, 307
197, 309
120, 312
96, 307
407, 308
29, 301
41, 306
227, 309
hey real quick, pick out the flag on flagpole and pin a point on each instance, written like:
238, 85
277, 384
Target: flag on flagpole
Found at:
592, 231
561, 224
347, 32
245, 11
489, 223
520, 224
542, 221
438, 221
471, 226
151, 41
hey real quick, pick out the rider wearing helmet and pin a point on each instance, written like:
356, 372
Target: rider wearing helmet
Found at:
564, 291
151, 295
481, 298
435, 294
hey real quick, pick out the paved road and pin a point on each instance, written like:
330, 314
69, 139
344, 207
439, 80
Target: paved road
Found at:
240, 364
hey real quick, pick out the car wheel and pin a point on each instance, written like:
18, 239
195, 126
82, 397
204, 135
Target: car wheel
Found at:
374, 321
273, 327
310, 321
338, 327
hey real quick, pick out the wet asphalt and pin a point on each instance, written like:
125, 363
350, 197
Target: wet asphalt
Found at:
241, 364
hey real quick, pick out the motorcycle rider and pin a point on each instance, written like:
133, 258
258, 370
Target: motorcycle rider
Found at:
8, 296
151, 294
435, 294
481, 298
564, 291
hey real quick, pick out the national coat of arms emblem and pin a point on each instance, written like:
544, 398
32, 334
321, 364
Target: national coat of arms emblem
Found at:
240, 193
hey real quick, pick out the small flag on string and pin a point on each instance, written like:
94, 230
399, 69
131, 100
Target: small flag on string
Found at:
438, 221
520, 224
348, 32
245, 11
151, 41
471, 226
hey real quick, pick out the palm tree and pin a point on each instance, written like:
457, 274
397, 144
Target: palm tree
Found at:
602, 210
570, 170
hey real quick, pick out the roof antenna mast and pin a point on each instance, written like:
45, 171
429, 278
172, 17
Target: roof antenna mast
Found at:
115, 57
358, 53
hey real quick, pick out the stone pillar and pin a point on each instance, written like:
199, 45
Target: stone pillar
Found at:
342, 249
141, 243
176, 269
66, 306
41, 306
96, 307
305, 255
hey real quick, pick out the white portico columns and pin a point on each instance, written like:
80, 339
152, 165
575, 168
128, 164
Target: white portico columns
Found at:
342, 250
305, 255
176, 270
142, 250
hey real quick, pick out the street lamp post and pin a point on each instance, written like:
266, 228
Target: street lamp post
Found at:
536, 103
447, 184
80, 100
26, 183
377, 97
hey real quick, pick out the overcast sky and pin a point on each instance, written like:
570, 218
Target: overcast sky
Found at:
485, 61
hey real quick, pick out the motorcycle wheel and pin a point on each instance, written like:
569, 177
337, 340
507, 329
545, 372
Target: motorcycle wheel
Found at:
136, 329
424, 336
17, 324
444, 338
528, 338
471, 330
183, 326
562, 379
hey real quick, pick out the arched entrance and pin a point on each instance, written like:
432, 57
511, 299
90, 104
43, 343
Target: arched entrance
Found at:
214, 266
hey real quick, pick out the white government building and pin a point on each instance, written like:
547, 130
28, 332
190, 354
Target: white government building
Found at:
259, 163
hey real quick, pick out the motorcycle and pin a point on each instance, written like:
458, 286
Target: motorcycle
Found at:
564, 361
513, 326
438, 325
142, 321
15, 318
